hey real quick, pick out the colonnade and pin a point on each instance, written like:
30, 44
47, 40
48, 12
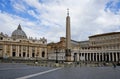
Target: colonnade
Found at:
23, 51
99, 57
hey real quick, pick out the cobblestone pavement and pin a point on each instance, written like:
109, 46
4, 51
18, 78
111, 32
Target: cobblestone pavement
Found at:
22, 71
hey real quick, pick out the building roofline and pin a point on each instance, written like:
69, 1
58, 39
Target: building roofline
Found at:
111, 33
84, 41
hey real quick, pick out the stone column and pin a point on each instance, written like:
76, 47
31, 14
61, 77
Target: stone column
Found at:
30, 51
96, 57
93, 57
77, 56
21, 51
17, 51
90, 56
35, 51
116, 56
86, 56
103, 57
99, 57
46, 53
10, 50
113, 56
4, 51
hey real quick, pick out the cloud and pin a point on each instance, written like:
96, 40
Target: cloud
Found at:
88, 17
18, 5
12, 21
31, 12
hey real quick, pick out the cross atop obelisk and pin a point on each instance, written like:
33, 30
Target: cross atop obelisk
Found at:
68, 37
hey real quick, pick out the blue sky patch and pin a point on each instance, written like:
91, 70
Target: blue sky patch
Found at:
7, 6
113, 7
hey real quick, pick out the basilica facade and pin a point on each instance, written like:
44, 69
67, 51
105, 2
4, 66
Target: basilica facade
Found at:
19, 46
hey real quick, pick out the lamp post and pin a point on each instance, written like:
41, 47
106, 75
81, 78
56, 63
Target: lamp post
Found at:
79, 52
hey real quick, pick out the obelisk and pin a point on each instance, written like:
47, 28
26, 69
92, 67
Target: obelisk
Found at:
68, 38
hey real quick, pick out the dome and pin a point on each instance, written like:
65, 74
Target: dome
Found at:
19, 33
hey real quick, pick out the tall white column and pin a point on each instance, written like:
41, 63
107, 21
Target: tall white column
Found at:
77, 56
10, 50
35, 51
113, 56
17, 51
4, 52
87, 56
96, 57
90, 56
30, 51
116, 56
99, 56
21, 51
102, 56
93, 56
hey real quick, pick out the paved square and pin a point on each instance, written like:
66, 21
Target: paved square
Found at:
21, 71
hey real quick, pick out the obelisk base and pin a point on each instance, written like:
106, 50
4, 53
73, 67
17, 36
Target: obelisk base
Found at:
68, 55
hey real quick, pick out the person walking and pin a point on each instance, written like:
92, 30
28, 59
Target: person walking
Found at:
114, 65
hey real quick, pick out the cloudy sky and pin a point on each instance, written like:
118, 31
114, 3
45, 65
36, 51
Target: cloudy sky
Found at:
46, 18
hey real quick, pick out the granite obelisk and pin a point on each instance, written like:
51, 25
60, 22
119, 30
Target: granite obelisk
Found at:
68, 38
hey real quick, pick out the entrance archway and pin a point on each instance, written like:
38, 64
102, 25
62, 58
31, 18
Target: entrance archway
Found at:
13, 54
43, 54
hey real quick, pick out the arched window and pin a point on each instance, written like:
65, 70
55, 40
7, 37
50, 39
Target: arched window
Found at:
43, 54
1, 38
